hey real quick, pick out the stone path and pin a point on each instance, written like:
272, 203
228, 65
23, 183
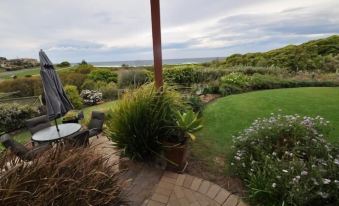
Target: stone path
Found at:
150, 186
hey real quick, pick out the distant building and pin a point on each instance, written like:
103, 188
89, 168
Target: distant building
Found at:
16, 64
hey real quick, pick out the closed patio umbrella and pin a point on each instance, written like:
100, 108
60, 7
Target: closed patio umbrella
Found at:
57, 102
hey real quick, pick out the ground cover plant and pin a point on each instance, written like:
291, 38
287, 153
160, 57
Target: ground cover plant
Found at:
285, 160
61, 177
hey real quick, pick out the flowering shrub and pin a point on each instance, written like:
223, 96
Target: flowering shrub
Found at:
91, 97
285, 160
13, 116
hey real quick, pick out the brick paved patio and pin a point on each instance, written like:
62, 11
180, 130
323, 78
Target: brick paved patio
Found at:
185, 190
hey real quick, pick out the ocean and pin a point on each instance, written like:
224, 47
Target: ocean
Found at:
136, 63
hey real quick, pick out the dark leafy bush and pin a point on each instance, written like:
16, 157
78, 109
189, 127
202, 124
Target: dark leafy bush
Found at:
141, 119
195, 103
134, 78
73, 95
13, 116
285, 160
61, 177
104, 75
64, 64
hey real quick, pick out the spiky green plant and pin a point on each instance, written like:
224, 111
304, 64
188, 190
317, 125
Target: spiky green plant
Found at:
142, 119
189, 123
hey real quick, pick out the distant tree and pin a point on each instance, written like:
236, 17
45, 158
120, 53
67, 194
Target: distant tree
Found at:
83, 62
64, 64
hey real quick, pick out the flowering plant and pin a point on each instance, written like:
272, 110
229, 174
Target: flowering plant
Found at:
91, 97
285, 160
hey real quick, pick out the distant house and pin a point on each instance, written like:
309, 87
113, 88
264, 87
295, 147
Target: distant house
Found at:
16, 64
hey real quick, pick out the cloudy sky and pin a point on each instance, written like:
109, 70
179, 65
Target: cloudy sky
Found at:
112, 30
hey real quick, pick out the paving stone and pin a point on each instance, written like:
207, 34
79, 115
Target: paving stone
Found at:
163, 191
213, 191
166, 185
171, 174
168, 179
196, 183
195, 204
179, 192
183, 202
160, 198
173, 201
180, 180
188, 181
242, 203
203, 200
204, 187
222, 196
231, 201
155, 203
190, 196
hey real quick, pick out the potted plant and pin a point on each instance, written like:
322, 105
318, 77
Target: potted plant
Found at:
176, 147
73, 116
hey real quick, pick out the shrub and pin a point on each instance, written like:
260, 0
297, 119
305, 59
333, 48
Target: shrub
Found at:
13, 116
109, 91
236, 79
133, 78
195, 103
73, 78
141, 119
104, 75
64, 64
88, 84
285, 160
61, 177
73, 95
91, 97
30, 86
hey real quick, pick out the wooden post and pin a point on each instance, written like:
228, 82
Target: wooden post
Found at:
157, 52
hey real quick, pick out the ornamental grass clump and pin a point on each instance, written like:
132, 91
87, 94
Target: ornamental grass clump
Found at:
285, 160
141, 119
62, 177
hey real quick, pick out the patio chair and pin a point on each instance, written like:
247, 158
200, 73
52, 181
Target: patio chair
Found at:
79, 139
38, 123
96, 123
20, 150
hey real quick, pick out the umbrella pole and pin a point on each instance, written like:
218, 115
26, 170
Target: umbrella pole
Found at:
56, 124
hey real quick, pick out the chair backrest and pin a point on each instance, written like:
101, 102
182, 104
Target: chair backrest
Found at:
81, 138
97, 121
37, 123
15, 147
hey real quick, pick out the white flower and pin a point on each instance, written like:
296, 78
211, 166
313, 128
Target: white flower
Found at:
274, 184
326, 181
304, 173
336, 161
323, 194
285, 171
274, 153
278, 176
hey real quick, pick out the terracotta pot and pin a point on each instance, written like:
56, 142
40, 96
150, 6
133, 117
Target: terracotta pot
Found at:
176, 156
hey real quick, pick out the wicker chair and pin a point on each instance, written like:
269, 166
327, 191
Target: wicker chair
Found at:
38, 123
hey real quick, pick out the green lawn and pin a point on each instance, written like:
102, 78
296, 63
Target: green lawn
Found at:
229, 115
24, 136
23, 72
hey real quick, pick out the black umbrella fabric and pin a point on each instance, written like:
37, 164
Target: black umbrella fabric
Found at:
57, 102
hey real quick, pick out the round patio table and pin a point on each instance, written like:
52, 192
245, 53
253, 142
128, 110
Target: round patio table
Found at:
50, 134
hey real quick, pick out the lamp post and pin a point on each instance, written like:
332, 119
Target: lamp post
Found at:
157, 51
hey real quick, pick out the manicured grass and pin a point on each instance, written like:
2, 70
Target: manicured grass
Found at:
230, 115
23, 72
